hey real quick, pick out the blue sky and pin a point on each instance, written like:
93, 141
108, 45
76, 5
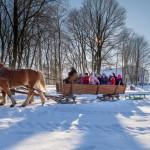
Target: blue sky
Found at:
138, 15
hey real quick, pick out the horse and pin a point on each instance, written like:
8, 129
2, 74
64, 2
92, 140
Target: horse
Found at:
4, 87
72, 77
29, 78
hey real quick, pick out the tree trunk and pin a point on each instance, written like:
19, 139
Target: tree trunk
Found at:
59, 55
15, 32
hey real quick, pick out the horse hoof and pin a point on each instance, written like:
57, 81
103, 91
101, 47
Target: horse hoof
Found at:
23, 105
1, 104
31, 102
12, 105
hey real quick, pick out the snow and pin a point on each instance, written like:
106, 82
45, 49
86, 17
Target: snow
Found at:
87, 125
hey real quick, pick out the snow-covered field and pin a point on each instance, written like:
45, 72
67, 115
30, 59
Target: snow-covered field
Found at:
88, 125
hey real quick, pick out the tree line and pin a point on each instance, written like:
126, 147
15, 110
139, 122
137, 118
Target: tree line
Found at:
46, 35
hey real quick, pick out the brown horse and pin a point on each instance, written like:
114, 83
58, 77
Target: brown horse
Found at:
4, 87
29, 78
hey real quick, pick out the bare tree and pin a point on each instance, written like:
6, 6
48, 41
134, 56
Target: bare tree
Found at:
98, 23
135, 53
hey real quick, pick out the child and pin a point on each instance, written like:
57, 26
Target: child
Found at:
86, 78
93, 79
119, 80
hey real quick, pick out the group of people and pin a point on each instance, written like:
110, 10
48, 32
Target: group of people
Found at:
102, 79
93, 78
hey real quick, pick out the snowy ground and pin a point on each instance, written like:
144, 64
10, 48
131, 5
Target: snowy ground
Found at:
88, 125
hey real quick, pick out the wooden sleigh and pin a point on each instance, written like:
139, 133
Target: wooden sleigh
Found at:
104, 92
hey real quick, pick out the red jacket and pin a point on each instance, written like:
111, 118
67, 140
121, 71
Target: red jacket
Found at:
86, 80
113, 81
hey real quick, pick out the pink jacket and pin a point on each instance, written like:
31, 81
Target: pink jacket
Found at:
93, 80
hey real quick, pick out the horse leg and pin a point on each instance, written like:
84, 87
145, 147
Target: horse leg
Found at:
4, 98
11, 98
8, 92
31, 99
42, 96
29, 96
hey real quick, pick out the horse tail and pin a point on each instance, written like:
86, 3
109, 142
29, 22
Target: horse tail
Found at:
41, 83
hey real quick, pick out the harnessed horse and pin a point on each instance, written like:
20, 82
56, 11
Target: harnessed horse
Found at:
23, 77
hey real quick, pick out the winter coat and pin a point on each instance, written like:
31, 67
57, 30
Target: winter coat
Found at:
81, 80
113, 81
119, 80
86, 80
93, 80
104, 80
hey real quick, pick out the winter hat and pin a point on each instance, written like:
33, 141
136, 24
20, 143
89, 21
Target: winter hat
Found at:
119, 76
